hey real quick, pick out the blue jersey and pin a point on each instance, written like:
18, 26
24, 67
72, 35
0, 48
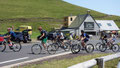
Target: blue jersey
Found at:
85, 35
13, 34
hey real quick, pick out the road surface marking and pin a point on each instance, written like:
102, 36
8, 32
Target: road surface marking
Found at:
35, 60
14, 60
60, 51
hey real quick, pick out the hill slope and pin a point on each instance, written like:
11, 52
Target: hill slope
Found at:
40, 8
57, 9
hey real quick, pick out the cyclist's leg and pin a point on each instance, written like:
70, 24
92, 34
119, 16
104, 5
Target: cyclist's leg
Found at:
44, 42
108, 42
84, 41
62, 41
10, 41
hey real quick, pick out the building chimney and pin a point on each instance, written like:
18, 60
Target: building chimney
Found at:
88, 11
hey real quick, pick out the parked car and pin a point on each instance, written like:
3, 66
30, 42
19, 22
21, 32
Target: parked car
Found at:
26, 32
51, 35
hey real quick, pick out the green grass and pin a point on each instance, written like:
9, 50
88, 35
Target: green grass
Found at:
26, 9
40, 8
64, 63
43, 8
111, 64
46, 25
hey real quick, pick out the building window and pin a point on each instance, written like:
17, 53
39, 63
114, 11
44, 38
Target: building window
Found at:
71, 19
65, 19
89, 25
99, 24
109, 24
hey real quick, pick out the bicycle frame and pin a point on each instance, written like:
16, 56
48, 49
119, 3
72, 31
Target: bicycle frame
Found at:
108, 43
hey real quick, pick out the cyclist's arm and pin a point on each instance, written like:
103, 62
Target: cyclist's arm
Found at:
42, 35
82, 38
7, 36
57, 37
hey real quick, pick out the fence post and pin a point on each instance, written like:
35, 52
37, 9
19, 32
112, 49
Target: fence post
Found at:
100, 62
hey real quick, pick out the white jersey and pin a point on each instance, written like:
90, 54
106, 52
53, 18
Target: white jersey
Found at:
61, 36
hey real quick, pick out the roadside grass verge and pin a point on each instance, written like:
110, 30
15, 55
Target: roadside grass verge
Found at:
64, 63
112, 64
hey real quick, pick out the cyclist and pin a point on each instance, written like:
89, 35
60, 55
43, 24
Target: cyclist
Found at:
60, 37
42, 37
104, 37
84, 38
112, 38
10, 37
71, 36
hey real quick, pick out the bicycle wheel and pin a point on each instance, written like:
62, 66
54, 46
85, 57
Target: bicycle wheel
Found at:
57, 45
75, 48
51, 49
102, 48
89, 48
69, 46
115, 48
2, 47
66, 47
36, 49
16, 47
97, 45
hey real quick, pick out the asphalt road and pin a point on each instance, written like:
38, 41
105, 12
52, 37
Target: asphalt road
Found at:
9, 57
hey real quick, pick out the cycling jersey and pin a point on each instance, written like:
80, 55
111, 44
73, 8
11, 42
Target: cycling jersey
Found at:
85, 35
61, 36
13, 34
43, 32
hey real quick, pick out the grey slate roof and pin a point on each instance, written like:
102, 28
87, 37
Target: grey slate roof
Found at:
78, 21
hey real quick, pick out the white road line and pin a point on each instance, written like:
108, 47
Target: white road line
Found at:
34, 60
60, 51
14, 60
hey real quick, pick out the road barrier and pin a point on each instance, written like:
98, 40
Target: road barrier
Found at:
100, 62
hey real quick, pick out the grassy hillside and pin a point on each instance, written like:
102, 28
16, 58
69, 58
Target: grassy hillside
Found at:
40, 8
28, 9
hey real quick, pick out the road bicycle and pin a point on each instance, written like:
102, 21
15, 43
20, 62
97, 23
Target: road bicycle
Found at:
108, 46
97, 45
16, 46
89, 48
58, 45
38, 48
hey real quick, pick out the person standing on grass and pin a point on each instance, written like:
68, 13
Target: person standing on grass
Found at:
42, 37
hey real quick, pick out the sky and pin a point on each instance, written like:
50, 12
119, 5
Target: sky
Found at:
111, 7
